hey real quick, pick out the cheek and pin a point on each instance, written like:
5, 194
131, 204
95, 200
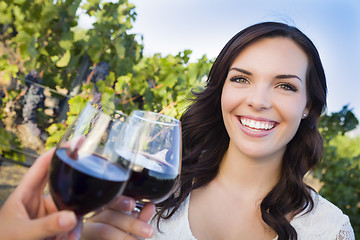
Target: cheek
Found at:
229, 99
293, 110
224, 101
227, 105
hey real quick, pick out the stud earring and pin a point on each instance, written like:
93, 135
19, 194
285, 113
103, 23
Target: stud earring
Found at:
304, 115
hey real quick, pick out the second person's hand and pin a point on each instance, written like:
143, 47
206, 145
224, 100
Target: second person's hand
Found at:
115, 222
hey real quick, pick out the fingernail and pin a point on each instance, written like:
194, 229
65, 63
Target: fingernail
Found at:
147, 230
128, 204
67, 219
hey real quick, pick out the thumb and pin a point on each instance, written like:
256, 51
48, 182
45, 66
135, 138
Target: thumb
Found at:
51, 225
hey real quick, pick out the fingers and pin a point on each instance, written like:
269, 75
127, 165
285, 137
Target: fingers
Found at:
127, 204
123, 203
51, 225
49, 204
37, 174
102, 231
147, 212
124, 223
115, 222
76, 232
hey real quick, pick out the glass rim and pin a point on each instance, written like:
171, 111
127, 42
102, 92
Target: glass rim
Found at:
175, 122
99, 106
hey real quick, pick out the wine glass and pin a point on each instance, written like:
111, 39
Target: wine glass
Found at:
156, 154
84, 171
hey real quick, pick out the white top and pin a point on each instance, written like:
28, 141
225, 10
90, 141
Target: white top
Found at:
325, 221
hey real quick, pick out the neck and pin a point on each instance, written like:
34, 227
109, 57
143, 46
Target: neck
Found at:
248, 176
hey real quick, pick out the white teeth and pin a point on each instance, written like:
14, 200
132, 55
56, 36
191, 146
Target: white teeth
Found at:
258, 125
252, 123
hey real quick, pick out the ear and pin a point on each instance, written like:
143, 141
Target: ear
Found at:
305, 113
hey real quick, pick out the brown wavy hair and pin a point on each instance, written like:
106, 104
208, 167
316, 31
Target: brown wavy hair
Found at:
205, 139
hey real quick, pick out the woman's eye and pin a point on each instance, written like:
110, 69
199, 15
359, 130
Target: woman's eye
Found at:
287, 87
239, 79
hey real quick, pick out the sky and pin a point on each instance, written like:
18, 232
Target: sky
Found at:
205, 26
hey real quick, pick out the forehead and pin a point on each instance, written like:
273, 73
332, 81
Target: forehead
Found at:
278, 54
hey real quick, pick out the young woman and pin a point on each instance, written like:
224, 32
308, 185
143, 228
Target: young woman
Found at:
248, 140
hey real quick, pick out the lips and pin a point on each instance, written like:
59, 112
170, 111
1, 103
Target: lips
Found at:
257, 124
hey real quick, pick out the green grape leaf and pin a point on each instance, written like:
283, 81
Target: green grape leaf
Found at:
64, 60
32, 48
120, 49
76, 104
19, 2
66, 44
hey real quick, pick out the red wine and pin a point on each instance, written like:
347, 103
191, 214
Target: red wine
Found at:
85, 184
152, 181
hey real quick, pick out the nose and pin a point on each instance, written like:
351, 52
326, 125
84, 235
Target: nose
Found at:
259, 98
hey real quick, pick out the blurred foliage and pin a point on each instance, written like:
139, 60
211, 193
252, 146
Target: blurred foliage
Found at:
8, 140
161, 84
339, 170
337, 123
42, 35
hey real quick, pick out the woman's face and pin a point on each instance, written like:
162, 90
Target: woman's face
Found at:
264, 97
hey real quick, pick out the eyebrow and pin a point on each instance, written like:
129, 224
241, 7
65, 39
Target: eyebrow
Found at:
285, 76
281, 76
241, 70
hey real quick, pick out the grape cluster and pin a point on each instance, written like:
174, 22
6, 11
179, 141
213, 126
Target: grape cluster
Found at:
99, 74
2, 95
34, 98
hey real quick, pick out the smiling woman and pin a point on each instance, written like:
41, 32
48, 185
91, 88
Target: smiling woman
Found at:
248, 140
264, 88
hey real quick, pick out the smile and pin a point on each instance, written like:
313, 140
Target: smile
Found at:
256, 124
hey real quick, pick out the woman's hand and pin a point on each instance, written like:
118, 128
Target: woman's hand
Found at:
115, 222
27, 214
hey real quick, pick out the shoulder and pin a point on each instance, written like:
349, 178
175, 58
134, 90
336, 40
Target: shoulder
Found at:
325, 209
176, 227
324, 221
